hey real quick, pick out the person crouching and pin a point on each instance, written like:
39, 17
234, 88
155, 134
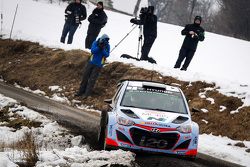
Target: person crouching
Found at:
100, 50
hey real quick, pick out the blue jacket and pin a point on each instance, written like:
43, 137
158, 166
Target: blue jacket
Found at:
99, 55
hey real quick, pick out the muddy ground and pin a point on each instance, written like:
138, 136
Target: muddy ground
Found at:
32, 65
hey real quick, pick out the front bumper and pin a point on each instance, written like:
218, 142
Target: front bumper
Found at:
142, 138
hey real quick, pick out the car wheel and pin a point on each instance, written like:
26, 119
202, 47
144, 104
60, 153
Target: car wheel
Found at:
102, 131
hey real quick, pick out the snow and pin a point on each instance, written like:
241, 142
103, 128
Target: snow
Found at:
222, 108
5, 161
219, 59
55, 88
211, 100
223, 148
60, 98
57, 146
204, 110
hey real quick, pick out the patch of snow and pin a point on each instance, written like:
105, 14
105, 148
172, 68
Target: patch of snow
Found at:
58, 98
77, 140
55, 88
39, 92
222, 108
218, 147
204, 110
81, 157
202, 95
88, 108
211, 100
5, 161
6, 101
205, 121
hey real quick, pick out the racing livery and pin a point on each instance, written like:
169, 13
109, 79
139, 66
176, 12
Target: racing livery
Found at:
149, 116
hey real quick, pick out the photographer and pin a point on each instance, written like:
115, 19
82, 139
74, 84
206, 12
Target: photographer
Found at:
149, 22
100, 50
194, 33
74, 14
97, 21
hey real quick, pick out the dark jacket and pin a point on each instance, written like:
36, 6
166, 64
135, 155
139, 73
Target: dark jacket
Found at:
189, 41
150, 25
99, 54
75, 13
97, 20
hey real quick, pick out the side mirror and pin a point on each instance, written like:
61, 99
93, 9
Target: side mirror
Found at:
195, 110
109, 101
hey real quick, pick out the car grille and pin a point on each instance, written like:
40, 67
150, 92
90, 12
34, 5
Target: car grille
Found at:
153, 140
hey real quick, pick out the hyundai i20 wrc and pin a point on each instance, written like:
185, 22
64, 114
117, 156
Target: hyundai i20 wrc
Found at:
149, 116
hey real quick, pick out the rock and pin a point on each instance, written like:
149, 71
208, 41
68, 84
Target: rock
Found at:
240, 144
248, 150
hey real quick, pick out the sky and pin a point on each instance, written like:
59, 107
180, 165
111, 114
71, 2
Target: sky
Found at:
219, 59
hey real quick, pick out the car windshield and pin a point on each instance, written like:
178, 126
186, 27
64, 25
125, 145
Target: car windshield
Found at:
166, 101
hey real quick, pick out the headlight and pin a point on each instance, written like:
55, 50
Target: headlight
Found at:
185, 128
124, 121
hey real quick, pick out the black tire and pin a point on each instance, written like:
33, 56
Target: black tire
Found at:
102, 131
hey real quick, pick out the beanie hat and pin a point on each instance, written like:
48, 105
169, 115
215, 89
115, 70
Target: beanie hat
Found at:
100, 3
198, 18
104, 37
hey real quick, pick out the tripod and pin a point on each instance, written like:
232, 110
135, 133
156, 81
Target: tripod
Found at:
139, 41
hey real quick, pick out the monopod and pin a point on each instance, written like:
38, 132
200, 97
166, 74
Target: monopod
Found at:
13, 21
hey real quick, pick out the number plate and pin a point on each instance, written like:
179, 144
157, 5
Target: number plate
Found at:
153, 142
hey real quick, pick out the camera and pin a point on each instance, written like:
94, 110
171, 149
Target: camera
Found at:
144, 10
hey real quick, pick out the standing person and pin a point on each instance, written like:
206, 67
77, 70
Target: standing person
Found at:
149, 32
149, 21
97, 21
75, 13
100, 50
194, 33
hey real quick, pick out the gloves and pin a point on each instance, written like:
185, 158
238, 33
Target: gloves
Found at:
101, 44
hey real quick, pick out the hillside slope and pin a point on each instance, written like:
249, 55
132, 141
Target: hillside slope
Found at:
32, 65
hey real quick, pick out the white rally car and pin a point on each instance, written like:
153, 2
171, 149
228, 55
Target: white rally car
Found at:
149, 116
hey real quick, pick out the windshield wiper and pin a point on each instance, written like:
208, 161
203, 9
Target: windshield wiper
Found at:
159, 109
129, 106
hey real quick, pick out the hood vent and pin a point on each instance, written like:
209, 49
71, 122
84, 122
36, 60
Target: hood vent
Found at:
180, 120
129, 113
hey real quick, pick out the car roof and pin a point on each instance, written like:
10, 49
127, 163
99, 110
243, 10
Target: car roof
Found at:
152, 84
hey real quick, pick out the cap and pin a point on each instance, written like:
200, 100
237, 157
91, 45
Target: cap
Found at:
198, 18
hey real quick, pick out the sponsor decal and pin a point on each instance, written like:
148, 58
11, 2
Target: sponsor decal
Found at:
180, 152
157, 119
155, 123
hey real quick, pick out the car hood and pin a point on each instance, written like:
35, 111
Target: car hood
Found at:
158, 116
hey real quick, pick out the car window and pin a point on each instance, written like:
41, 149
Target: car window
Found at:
117, 93
163, 101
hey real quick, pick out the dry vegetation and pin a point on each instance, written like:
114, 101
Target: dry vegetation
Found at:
31, 65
